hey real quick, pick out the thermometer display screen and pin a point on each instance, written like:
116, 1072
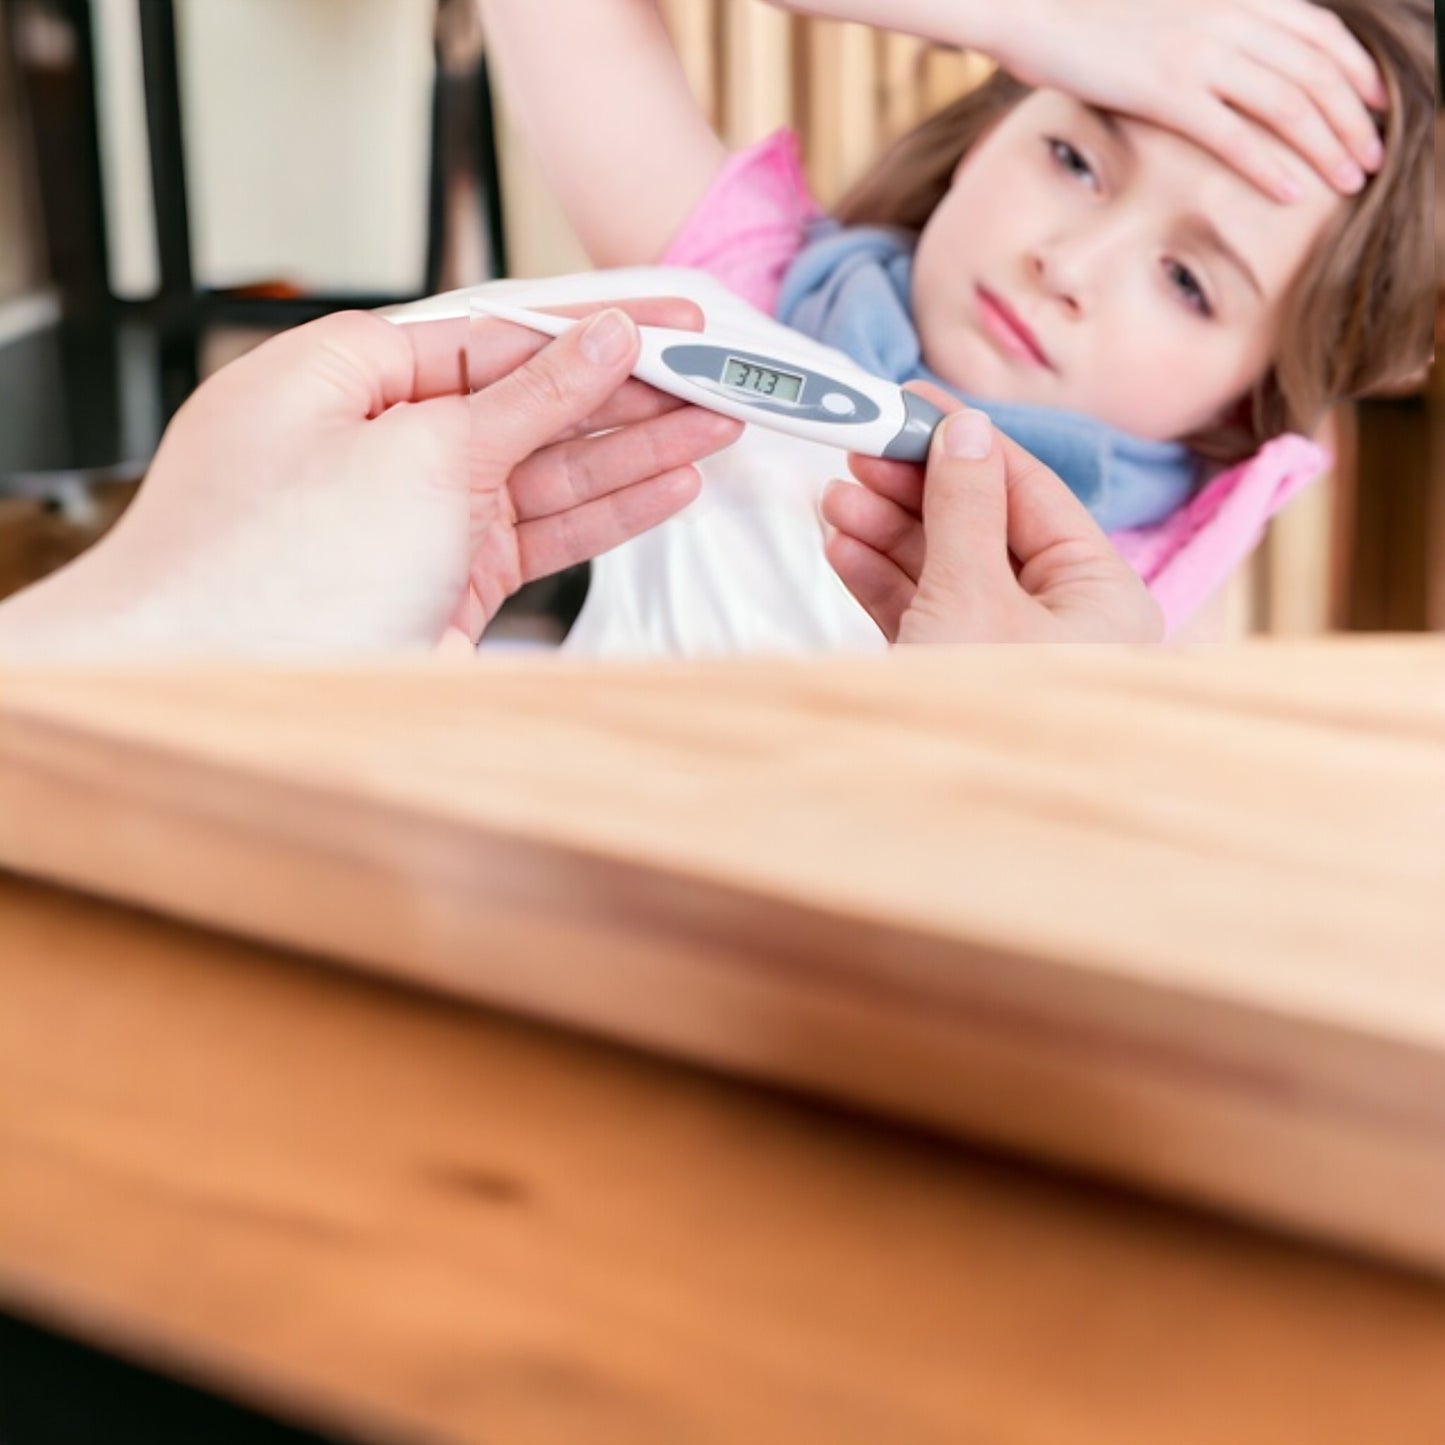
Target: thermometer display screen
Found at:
762, 381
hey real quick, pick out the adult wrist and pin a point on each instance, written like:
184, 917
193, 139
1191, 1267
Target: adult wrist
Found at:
1015, 32
60, 618
107, 603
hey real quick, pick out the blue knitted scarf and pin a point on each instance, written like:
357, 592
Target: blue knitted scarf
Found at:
850, 289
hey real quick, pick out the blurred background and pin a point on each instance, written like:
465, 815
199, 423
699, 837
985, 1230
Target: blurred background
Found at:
179, 178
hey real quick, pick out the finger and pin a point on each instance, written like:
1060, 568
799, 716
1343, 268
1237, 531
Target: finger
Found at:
548, 544
360, 364
1275, 99
899, 482
966, 512
455, 644
988, 501
498, 347
1241, 144
356, 364
565, 382
902, 482
1066, 564
944, 400
573, 473
1326, 30
436, 364
1329, 89
878, 523
475, 611
672, 311
1044, 516
878, 584
633, 401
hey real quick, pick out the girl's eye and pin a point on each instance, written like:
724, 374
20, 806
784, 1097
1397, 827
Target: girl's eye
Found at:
1071, 161
1184, 281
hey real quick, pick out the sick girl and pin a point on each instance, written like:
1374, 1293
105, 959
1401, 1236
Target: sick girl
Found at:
1156, 248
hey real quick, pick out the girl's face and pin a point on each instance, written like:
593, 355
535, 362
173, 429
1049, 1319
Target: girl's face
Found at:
1100, 264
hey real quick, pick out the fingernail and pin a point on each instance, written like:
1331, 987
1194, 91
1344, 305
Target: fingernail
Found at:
1350, 176
1375, 153
1287, 188
967, 436
606, 337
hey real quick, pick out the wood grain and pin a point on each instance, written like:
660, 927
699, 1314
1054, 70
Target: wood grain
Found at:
756, 72
421, 1223
695, 28
1172, 918
842, 129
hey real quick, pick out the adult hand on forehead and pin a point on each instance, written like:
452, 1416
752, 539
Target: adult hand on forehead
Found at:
1224, 73
339, 489
988, 546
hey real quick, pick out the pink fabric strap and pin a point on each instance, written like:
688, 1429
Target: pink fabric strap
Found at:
748, 228
1188, 556
746, 232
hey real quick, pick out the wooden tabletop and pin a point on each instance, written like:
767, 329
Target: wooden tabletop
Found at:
1170, 917
369, 1209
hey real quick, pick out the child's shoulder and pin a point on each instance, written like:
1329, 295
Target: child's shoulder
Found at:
752, 222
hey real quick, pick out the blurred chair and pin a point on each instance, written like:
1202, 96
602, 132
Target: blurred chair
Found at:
83, 401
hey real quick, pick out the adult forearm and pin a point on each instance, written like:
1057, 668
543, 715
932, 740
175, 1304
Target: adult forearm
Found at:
78, 613
605, 104
977, 24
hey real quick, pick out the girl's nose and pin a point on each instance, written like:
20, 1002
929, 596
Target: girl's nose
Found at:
1071, 266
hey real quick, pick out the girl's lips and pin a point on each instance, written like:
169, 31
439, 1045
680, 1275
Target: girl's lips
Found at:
1008, 330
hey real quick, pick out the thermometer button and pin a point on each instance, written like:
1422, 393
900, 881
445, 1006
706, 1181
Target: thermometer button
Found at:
835, 403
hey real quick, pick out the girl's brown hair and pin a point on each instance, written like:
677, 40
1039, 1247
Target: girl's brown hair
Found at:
1358, 318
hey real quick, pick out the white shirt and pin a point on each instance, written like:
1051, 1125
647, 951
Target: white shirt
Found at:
742, 569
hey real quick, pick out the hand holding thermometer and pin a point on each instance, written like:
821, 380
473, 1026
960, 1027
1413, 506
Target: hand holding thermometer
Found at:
729, 374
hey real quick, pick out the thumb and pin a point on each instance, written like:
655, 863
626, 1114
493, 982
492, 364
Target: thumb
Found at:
965, 512
986, 501
561, 385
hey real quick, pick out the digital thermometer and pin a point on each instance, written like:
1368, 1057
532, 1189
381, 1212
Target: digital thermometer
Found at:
727, 373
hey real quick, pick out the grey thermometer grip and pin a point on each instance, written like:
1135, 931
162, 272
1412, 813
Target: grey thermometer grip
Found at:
920, 421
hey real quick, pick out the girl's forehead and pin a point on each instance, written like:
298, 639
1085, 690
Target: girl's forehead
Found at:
1158, 168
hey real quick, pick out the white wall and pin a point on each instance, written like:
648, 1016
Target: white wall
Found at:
308, 144
307, 131
124, 149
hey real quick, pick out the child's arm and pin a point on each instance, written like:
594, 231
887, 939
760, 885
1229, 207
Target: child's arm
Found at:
602, 97
1222, 72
